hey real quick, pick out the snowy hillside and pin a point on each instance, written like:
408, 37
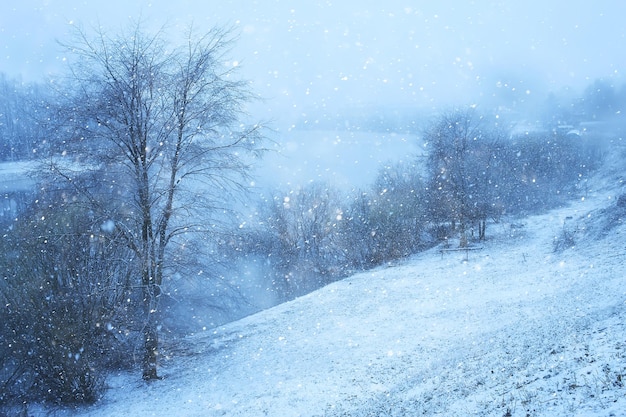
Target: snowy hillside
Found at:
517, 329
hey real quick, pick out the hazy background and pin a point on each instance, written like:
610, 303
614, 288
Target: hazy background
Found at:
319, 62
316, 56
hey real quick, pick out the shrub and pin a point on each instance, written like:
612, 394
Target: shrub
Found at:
63, 295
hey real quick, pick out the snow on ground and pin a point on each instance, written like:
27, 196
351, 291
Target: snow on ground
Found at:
517, 329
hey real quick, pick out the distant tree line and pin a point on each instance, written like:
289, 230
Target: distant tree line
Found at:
473, 174
26, 128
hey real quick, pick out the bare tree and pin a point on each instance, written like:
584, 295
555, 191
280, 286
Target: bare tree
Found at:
299, 233
386, 222
163, 125
461, 166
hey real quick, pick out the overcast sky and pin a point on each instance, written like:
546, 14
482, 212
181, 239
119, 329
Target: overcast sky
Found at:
320, 56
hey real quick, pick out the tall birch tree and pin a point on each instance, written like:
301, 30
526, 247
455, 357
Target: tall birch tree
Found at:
164, 125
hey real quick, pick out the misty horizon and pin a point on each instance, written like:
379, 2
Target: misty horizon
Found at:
315, 60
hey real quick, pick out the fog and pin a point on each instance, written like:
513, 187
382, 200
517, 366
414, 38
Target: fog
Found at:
312, 60
345, 85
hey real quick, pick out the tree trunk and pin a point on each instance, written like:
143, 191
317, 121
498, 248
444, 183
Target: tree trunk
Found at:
151, 345
463, 243
482, 228
150, 332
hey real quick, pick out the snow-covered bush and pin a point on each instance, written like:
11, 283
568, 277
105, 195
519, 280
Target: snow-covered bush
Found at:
566, 239
476, 172
387, 222
298, 234
62, 298
313, 235
543, 170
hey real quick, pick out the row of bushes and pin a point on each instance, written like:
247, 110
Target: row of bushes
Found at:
315, 234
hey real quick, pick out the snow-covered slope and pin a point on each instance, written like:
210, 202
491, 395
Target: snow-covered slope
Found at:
517, 329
